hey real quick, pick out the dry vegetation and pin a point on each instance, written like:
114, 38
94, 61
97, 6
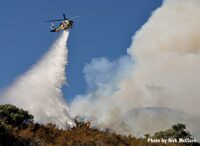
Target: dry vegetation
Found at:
33, 134
49, 135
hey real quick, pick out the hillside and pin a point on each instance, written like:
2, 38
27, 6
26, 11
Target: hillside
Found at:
18, 129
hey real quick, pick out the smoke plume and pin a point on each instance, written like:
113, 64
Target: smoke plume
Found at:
156, 84
39, 89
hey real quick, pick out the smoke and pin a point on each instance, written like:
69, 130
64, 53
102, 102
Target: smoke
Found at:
39, 89
161, 71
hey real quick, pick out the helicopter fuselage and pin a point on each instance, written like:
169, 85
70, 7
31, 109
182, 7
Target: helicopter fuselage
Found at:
66, 24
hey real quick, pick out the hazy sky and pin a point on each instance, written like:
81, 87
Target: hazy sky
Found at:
104, 29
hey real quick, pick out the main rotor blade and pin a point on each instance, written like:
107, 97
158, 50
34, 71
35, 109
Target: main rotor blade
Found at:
64, 17
74, 17
55, 20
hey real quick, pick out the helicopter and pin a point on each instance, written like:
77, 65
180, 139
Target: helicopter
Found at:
64, 25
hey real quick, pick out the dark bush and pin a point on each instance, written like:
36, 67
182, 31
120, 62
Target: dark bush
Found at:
10, 115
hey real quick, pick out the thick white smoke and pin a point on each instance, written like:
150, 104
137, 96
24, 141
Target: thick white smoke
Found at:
39, 89
161, 71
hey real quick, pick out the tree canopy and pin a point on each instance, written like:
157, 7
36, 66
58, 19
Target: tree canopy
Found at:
10, 115
176, 131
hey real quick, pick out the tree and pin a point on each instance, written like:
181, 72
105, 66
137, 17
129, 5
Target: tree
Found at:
176, 131
179, 131
10, 115
146, 136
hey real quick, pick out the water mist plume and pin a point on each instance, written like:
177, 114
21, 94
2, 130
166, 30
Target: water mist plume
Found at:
39, 89
159, 76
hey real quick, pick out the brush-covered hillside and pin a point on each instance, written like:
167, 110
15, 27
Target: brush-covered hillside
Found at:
17, 128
